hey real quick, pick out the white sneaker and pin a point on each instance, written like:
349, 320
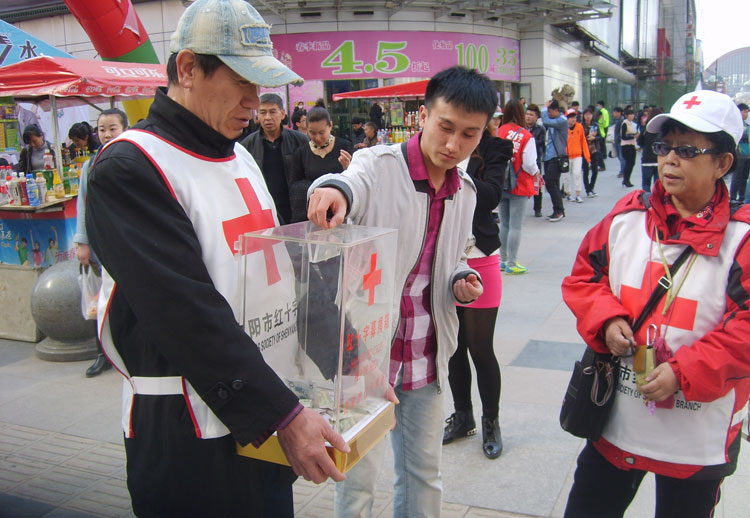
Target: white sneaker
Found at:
578, 199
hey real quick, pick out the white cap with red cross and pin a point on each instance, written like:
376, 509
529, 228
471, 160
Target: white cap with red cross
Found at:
704, 111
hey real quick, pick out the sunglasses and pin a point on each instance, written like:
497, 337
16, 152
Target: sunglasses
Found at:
662, 149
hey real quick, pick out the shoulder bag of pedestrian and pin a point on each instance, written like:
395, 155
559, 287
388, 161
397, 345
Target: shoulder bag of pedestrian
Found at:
588, 399
511, 178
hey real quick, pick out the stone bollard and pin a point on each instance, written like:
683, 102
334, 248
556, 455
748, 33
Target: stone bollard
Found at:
56, 308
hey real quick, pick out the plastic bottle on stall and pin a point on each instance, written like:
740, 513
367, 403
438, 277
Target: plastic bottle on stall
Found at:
32, 191
66, 181
49, 162
12, 192
41, 183
58, 185
15, 198
73, 177
4, 197
20, 182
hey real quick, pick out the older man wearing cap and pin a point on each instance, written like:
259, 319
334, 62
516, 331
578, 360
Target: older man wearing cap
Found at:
166, 203
678, 414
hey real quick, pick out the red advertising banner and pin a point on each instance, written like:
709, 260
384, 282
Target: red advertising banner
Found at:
369, 54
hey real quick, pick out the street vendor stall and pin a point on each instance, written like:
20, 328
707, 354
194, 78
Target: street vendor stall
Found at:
37, 237
402, 110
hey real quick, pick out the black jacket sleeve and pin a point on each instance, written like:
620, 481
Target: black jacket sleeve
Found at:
167, 317
488, 171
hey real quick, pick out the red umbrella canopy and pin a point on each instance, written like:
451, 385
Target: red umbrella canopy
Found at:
94, 80
415, 89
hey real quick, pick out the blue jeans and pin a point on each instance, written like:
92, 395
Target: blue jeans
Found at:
618, 148
649, 175
511, 219
417, 442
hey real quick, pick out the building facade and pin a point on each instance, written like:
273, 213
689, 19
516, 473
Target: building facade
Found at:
619, 51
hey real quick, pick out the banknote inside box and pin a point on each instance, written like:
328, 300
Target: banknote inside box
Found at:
323, 319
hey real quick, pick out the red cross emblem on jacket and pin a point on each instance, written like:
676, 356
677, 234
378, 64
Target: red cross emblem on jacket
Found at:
682, 310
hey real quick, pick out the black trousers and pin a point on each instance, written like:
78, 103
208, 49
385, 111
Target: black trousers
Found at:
601, 490
739, 179
173, 473
552, 181
589, 182
628, 153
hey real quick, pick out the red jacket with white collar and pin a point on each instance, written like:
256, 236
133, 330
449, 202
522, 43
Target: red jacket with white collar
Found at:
707, 327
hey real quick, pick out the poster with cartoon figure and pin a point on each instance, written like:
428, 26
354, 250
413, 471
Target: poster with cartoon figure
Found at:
37, 243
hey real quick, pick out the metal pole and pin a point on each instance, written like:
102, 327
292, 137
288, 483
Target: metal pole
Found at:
56, 129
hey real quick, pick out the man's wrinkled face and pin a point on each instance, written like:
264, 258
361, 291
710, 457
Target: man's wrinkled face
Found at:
225, 101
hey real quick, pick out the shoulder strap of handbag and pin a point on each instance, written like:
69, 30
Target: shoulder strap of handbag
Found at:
661, 288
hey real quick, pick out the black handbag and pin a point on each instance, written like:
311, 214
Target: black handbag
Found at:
588, 399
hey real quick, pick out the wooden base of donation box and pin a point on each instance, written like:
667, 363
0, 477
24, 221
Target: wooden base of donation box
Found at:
361, 438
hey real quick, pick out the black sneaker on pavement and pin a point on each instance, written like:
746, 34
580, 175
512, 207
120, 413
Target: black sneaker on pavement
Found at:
460, 424
555, 217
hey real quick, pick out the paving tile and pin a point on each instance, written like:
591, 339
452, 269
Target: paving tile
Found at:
546, 354
449, 510
477, 512
303, 492
11, 478
13, 386
25, 465
57, 485
97, 462
110, 498
67, 513
48, 452
12, 506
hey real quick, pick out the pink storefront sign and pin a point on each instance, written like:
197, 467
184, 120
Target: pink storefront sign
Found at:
367, 54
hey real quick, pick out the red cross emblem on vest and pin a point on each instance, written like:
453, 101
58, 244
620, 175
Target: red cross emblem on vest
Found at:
257, 218
372, 279
682, 310
693, 101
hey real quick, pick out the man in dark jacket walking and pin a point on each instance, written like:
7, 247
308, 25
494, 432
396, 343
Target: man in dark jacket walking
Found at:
272, 147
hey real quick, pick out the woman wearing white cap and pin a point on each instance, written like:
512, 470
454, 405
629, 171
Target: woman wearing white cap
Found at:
680, 418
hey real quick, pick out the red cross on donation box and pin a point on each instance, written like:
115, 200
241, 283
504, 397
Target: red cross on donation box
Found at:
257, 218
693, 101
372, 279
680, 315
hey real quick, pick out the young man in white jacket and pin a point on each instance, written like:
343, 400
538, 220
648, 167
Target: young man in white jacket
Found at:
417, 188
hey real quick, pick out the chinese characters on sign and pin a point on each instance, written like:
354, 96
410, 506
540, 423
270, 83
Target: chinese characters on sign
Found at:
349, 55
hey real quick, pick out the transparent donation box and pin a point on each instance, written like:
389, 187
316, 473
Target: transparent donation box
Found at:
319, 305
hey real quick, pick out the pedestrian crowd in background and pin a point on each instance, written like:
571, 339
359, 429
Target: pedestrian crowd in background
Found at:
153, 228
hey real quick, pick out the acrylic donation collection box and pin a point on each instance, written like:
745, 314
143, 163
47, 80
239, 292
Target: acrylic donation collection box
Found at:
319, 305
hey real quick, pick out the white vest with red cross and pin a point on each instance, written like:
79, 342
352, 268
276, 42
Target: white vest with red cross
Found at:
223, 198
692, 432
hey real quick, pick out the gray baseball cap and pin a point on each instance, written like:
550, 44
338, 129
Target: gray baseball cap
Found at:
234, 32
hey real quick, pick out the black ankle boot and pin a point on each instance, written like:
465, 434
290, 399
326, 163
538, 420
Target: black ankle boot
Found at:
460, 424
492, 440
100, 365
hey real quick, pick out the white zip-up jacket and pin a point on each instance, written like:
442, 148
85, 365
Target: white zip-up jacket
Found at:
381, 193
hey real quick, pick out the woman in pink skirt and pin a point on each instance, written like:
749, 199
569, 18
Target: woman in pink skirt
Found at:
477, 320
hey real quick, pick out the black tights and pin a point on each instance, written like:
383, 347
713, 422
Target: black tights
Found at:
476, 328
